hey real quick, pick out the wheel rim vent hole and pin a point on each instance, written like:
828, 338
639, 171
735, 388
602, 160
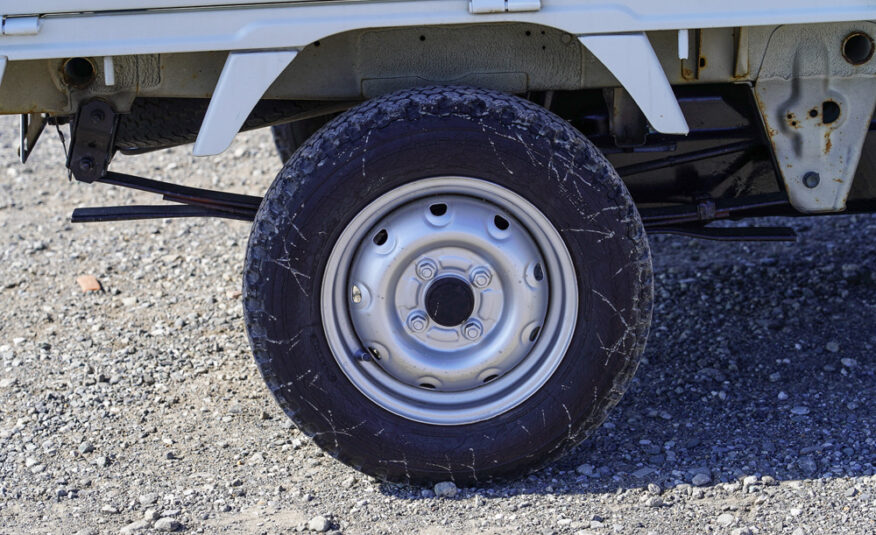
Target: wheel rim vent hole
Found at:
438, 209
374, 353
858, 48
430, 386
534, 334
538, 273
490, 378
501, 223
381, 237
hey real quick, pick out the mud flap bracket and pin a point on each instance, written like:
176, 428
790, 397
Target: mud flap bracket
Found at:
816, 107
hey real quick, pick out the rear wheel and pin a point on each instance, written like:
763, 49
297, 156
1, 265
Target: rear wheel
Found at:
447, 283
289, 136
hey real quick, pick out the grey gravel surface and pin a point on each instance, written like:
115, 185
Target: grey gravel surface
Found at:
138, 409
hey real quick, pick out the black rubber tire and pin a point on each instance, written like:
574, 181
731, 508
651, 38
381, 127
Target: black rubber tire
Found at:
423, 133
289, 136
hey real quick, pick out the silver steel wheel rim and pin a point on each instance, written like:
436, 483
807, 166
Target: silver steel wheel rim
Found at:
406, 255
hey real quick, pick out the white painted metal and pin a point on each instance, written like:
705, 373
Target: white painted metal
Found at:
803, 77
21, 25
299, 24
109, 71
18, 7
683, 43
486, 6
244, 79
78, 28
520, 6
633, 62
3, 62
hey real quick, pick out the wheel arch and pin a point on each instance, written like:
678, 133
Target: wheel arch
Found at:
510, 57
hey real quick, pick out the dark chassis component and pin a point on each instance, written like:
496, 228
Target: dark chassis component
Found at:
721, 170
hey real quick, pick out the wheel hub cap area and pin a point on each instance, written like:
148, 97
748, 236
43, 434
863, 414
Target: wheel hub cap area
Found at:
450, 300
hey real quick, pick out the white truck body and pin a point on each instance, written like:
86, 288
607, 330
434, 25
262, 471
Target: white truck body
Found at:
644, 46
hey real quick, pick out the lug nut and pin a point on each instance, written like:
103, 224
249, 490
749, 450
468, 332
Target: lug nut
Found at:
481, 277
417, 322
426, 269
472, 330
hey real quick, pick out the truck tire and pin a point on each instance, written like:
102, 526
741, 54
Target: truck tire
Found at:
447, 283
289, 136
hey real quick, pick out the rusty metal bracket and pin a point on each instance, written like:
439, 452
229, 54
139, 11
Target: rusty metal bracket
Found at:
816, 102
92, 138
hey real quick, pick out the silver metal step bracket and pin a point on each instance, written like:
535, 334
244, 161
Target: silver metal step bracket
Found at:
816, 106
244, 79
632, 60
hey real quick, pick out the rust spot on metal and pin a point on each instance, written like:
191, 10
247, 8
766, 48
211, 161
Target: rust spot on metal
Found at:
827, 142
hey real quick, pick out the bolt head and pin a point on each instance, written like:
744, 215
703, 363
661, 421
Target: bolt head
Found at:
86, 164
417, 322
426, 269
481, 277
472, 330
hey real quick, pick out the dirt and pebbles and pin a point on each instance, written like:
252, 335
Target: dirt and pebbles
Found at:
138, 408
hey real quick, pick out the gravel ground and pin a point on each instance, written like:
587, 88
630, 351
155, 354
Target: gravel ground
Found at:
138, 408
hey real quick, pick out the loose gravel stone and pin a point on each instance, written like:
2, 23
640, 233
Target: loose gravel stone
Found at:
807, 465
654, 501
700, 480
725, 520
167, 524
445, 489
148, 499
135, 526
585, 470
88, 283
318, 524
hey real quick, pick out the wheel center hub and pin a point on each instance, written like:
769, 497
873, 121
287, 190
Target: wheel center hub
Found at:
449, 301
